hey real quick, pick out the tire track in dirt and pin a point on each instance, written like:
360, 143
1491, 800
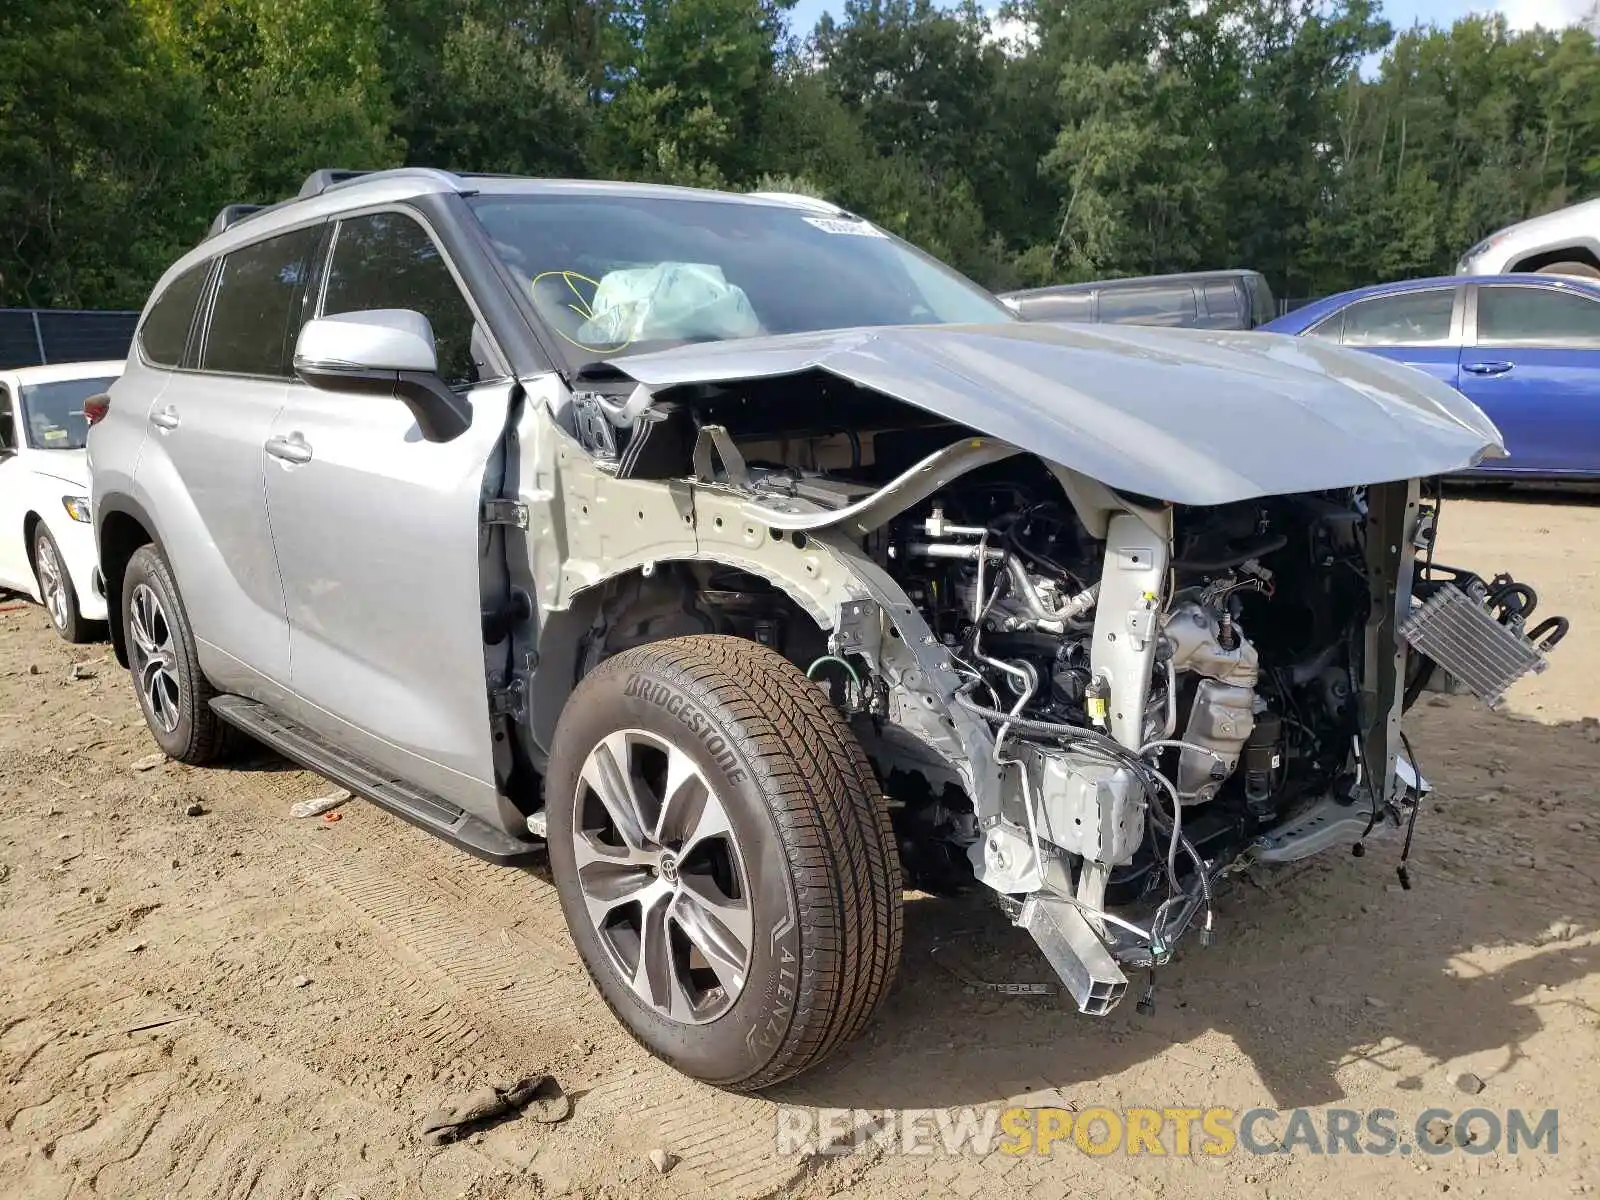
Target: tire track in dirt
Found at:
511, 986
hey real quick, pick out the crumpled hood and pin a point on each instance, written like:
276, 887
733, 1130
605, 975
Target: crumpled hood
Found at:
1189, 416
71, 467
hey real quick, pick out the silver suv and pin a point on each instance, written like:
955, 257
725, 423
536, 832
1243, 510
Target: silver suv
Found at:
749, 563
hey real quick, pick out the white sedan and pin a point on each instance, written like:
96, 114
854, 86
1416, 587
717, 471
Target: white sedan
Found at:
47, 546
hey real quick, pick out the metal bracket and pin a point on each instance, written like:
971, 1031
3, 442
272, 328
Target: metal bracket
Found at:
505, 512
510, 700
593, 427
716, 438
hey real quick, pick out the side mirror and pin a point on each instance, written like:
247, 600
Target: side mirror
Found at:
383, 352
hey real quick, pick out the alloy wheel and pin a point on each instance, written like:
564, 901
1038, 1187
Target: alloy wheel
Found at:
662, 876
52, 583
154, 658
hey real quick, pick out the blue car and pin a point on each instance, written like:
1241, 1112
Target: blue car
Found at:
1524, 348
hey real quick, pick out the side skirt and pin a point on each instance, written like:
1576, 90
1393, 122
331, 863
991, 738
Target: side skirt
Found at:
472, 834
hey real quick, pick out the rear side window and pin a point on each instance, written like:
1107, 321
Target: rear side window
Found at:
1165, 304
1409, 319
1264, 306
259, 291
165, 333
1071, 306
387, 260
1535, 316
1225, 306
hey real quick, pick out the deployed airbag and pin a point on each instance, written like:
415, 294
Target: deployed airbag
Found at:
670, 301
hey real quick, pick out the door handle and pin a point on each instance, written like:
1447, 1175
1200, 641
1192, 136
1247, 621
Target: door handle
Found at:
1487, 368
165, 418
291, 449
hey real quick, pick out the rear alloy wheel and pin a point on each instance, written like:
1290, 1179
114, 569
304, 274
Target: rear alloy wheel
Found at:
173, 695
56, 590
724, 858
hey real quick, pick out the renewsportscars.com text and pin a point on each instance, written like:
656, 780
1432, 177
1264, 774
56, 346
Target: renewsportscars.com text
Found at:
980, 1131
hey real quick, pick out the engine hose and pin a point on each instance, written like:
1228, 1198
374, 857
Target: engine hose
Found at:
1071, 733
1416, 685
1549, 632
1210, 567
1515, 599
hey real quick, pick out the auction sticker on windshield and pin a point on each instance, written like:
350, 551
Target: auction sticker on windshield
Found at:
852, 228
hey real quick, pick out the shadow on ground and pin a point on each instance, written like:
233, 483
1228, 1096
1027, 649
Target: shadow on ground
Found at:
1289, 978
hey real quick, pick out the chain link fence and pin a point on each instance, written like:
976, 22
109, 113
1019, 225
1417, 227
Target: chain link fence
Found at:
32, 337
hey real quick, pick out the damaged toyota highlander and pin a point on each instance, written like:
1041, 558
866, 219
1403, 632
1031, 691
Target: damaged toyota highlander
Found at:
752, 565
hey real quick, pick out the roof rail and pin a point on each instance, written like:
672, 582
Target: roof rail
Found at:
232, 215
329, 178
800, 200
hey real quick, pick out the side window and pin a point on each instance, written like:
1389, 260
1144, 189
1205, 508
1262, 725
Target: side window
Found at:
1070, 306
1225, 306
1408, 319
257, 301
1329, 329
1166, 304
1536, 316
165, 333
387, 260
1263, 305
8, 423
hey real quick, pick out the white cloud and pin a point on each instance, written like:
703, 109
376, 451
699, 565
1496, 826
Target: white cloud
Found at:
1552, 14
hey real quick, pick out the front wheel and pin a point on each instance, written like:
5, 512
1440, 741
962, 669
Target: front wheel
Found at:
724, 858
56, 590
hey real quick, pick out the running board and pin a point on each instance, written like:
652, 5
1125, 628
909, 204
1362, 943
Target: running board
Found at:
423, 809
1076, 952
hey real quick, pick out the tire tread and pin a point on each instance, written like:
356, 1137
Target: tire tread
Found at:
831, 814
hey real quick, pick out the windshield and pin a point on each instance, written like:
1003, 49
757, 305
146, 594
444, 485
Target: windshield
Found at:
622, 274
52, 413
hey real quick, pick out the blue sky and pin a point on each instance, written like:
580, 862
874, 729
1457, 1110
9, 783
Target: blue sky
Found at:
1401, 13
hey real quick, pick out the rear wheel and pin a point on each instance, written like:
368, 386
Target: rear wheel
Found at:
173, 695
723, 857
56, 590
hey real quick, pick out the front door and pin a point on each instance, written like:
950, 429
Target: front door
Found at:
14, 570
1533, 365
378, 534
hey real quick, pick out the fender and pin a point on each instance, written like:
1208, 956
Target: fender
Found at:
113, 558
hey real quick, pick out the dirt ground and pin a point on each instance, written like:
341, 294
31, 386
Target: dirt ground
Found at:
238, 1003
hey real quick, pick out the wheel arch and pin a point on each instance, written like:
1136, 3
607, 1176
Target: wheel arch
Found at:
31, 520
121, 527
566, 633
1582, 251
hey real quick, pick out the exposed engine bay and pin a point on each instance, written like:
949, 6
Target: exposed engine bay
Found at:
1097, 703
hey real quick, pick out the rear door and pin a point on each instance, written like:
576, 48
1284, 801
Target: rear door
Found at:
202, 464
1421, 328
1532, 363
378, 531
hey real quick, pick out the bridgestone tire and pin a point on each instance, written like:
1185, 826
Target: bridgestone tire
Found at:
811, 826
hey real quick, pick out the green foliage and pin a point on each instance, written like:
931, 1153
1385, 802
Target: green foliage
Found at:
1040, 142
